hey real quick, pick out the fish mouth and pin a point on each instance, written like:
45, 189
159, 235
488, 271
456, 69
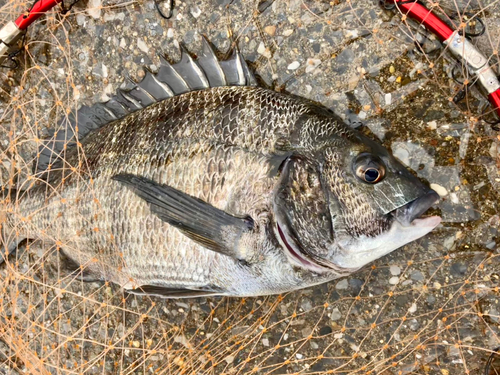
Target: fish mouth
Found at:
406, 225
409, 214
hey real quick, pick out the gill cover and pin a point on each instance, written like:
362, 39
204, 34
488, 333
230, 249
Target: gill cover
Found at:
301, 206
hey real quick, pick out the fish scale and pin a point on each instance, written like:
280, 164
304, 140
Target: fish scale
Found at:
205, 184
180, 175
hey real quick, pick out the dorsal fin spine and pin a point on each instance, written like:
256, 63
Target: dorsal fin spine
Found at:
186, 75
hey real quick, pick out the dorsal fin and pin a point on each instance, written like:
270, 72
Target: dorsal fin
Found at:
186, 75
169, 76
211, 66
233, 69
191, 72
141, 96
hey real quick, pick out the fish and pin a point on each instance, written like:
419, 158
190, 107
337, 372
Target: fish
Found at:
197, 181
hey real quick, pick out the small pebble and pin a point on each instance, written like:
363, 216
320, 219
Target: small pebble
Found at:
417, 275
306, 304
342, 284
440, 190
412, 308
432, 125
288, 32
326, 330
392, 69
271, 30
395, 270
448, 242
80, 19
414, 324
394, 280
229, 359
195, 11
294, 65
262, 50
299, 356
142, 45
454, 198
335, 315
94, 8
312, 64
136, 344
265, 342
437, 285
388, 99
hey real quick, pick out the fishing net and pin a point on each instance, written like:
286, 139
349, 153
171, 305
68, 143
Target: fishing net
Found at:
431, 307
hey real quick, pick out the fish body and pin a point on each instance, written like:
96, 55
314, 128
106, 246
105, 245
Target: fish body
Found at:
228, 190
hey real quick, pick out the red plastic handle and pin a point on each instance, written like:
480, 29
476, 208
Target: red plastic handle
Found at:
425, 16
34, 13
494, 98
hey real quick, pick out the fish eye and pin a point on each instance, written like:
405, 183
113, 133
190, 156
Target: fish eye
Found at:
369, 168
372, 175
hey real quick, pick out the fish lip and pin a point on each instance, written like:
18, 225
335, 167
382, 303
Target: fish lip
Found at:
410, 212
294, 250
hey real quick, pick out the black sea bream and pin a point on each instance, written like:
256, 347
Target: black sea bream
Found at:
197, 182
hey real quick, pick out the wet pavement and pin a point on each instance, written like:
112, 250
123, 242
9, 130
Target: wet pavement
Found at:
431, 307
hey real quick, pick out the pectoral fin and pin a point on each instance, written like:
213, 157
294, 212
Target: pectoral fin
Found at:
210, 227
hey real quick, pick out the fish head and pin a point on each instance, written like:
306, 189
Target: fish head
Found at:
347, 204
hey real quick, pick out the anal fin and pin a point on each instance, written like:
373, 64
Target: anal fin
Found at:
165, 292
